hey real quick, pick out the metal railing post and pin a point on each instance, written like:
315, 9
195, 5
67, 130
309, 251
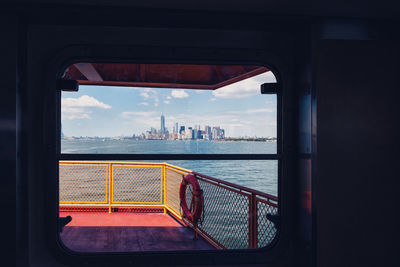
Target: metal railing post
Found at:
253, 221
164, 189
109, 186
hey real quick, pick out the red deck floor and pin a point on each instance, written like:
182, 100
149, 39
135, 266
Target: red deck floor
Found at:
123, 232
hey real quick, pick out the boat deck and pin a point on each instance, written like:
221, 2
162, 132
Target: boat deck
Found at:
128, 232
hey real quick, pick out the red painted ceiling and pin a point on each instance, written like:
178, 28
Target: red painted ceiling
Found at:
208, 77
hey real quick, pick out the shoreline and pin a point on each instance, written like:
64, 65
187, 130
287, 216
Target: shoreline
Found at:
216, 140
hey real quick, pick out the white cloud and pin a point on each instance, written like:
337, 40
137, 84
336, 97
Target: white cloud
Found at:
144, 95
77, 116
156, 101
143, 104
167, 102
252, 111
129, 114
71, 113
179, 94
147, 93
232, 125
245, 88
79, 108
142, 120
83, 101
212, 99
168, 97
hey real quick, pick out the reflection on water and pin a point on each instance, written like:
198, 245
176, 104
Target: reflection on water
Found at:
166, 147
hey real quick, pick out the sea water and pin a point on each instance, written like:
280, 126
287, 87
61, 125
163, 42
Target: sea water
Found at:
261, 175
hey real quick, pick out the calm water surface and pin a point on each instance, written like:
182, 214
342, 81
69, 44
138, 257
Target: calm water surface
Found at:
257, 174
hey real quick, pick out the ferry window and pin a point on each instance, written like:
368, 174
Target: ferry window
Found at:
161, 157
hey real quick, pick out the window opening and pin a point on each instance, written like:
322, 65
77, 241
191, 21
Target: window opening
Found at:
217, 137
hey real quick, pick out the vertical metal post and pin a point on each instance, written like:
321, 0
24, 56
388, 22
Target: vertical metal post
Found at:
250, 223
253, 221
164, 185
109, 186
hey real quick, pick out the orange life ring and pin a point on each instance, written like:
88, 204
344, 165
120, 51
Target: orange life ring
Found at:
197, 198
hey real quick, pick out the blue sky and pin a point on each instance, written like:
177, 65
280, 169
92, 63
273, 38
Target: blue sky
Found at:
239, 108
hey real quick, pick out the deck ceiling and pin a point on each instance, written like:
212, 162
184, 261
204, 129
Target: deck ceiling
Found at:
207, 77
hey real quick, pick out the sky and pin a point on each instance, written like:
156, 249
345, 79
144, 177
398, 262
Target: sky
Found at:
238, 108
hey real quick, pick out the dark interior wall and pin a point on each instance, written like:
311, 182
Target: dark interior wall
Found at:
304, 150
8, 55
355, 8
357, 178
356, 168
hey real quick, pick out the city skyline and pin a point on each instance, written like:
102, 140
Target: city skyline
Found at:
183, 133
109, 111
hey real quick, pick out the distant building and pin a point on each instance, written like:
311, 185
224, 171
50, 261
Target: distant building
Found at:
207, 133
194, 133
201, 134
148, 135
162, 123
216, 132
189, 133
182, 132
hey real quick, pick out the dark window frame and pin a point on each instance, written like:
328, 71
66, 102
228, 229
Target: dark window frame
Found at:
260, 255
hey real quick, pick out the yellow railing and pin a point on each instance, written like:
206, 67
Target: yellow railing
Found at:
235, 216
119, 184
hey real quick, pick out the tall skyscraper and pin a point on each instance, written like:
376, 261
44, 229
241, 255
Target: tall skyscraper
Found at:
176, 127
162, 123
207, 132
